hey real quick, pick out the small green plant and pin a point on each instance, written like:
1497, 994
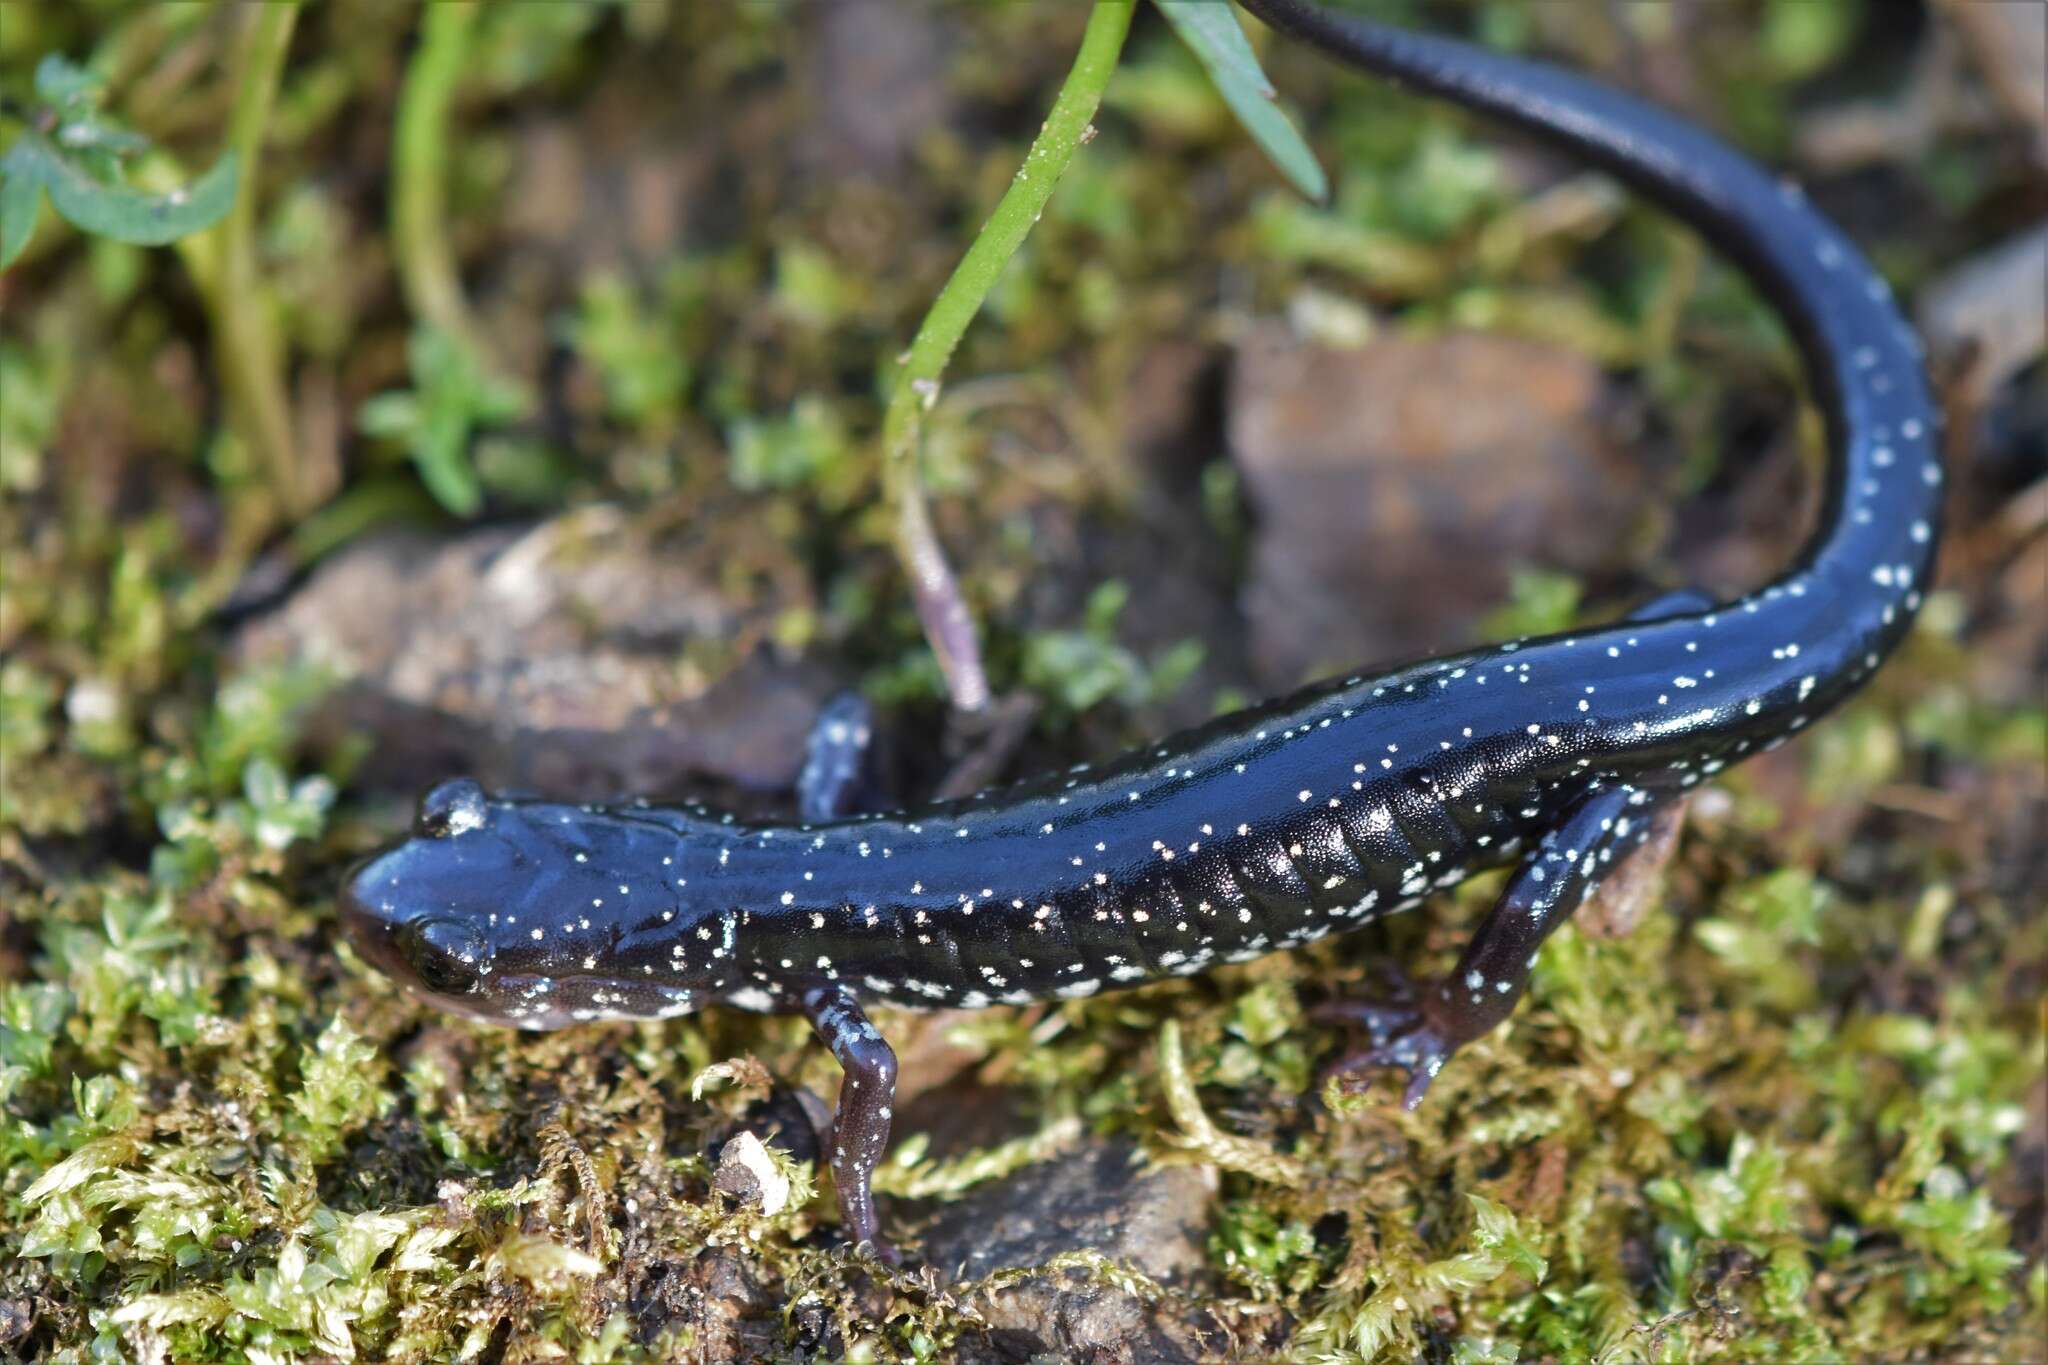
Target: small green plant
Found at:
1210, 28
71, 149
1539, 603
452, 396
1080, 668
646, 376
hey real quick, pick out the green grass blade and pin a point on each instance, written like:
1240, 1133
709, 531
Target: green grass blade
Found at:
1210, 29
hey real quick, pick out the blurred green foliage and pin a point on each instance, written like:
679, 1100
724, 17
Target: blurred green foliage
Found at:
453, 397
1080, 669
69, 149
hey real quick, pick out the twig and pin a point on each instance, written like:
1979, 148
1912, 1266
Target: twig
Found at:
947, 624
1203, 1138
1002, 728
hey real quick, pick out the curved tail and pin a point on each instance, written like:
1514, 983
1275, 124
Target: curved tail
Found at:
1878, 525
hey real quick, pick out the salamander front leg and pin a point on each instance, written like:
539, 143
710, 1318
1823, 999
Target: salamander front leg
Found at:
1571, 860
835, 758
867, 1102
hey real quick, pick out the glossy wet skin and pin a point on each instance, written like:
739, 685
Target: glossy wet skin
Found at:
1264, 830
516, 912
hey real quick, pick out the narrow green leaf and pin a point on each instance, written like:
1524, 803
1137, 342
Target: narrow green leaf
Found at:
21, 194
1211, 31
128, 215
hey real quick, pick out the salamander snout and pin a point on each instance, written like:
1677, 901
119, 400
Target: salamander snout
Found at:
442, 954
410, 909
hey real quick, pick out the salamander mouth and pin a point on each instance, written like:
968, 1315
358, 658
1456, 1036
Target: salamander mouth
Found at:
517, 1000
449, 955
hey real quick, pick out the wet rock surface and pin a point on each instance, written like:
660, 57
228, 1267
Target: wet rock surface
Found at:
1097, 1198
1395, 486
583, 657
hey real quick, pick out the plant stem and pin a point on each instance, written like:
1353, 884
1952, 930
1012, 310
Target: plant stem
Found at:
948, 627
247, 346
426, 262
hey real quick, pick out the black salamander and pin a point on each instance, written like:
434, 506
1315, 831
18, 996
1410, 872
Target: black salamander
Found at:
1264, 830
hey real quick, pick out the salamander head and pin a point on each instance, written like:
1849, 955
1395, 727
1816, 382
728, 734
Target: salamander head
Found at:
537, 914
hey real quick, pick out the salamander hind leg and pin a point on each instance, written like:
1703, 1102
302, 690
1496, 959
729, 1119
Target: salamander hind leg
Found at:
867, 1103
1420, 1034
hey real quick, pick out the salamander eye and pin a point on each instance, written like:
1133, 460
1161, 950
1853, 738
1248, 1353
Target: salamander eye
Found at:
447, 955
454, 807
